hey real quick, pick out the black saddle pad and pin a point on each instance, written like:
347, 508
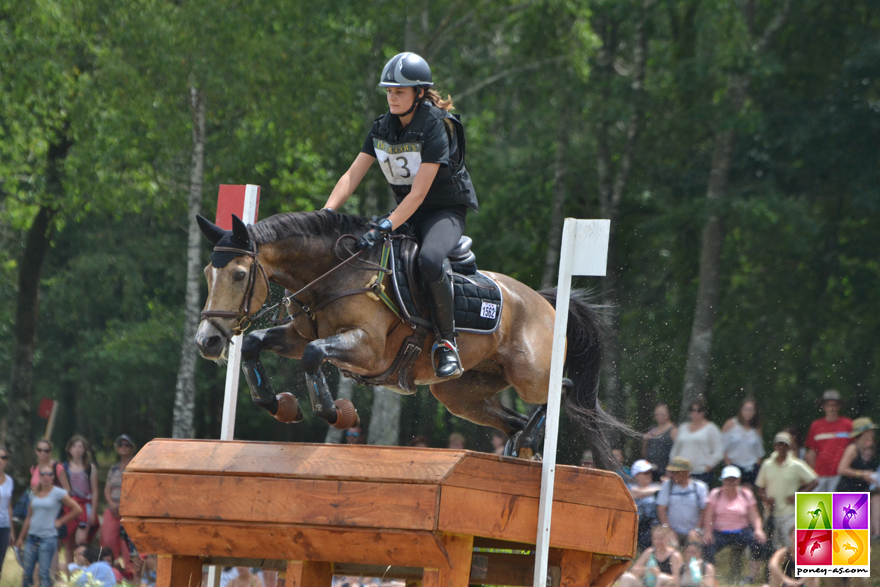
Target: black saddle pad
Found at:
478, 299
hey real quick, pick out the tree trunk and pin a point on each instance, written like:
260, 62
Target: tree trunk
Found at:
557, 211
612, 188
20, 426
345, 391
185, 393
385, 421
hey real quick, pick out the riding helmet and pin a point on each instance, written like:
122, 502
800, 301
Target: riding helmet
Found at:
406, 70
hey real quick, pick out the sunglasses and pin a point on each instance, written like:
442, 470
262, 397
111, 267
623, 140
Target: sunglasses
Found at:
46, 473
698, 410
352, 433
4, 457
44, 450
125, 444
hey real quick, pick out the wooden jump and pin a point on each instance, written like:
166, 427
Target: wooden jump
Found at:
314, 510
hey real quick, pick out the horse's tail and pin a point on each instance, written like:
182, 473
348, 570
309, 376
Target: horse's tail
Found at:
583, 362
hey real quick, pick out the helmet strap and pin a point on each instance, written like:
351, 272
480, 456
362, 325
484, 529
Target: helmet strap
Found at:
418, 100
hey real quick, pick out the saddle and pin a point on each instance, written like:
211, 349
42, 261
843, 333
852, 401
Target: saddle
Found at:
478, 304
478, 299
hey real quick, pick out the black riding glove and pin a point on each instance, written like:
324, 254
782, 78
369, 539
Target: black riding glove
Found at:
375, 234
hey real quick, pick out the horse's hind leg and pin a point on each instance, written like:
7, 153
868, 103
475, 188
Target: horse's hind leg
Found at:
474, 397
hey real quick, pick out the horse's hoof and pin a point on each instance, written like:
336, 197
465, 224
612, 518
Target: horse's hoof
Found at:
288, 409
346, 416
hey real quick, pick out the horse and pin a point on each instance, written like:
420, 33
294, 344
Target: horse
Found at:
337, 322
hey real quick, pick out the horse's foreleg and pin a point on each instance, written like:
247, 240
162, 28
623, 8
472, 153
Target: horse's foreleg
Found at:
279, 340
347, 347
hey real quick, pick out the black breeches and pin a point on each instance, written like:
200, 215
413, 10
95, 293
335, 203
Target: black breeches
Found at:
438, 233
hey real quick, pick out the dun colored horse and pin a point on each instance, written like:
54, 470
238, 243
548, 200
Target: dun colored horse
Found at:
334, 320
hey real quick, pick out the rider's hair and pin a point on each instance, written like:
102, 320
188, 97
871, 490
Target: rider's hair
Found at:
434, 97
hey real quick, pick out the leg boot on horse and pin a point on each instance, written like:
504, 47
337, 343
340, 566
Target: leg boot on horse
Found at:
440, 296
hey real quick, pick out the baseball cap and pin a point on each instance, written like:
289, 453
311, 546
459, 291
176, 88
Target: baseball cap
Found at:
641, 466
783, 437
730, 471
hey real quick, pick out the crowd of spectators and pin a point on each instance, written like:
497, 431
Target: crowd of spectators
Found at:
688, 512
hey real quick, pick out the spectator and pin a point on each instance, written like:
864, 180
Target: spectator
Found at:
796, 449
681, 500
644, 493
7, 528
658, 566
659, 439
827, 439
499, 440
107, 557
98, 573
857, 466
354, 435
111, 529
781, 476
695, 572
80, 563
419, 442
743, 442
41, 526
587, 459
782, 566
699, 441
82, 478
245, 578
43, 449
456, 440
732, 518
622, 469
148, 573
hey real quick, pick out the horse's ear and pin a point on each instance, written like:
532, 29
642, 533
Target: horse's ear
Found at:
211, 231
240, 233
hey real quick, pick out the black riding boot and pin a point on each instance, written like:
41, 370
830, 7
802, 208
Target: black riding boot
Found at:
448, 364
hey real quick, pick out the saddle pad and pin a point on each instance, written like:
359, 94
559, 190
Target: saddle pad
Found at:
478, 299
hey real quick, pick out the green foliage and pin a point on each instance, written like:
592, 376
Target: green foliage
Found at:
290, 92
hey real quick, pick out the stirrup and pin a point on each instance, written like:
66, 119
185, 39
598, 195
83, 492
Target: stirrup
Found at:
449, 347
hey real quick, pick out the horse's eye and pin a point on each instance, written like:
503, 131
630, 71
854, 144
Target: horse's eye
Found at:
239, 275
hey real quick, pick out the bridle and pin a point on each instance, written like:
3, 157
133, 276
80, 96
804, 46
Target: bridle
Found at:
241, 315
244, 319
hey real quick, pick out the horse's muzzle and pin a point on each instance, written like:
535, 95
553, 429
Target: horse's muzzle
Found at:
209, 341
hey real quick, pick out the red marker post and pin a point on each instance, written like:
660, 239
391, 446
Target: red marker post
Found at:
244, 202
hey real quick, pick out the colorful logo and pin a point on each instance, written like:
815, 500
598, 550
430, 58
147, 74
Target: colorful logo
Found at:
832, 534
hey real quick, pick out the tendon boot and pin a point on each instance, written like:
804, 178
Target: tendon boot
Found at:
444, 355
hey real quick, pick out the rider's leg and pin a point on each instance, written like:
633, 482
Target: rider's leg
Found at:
440, 233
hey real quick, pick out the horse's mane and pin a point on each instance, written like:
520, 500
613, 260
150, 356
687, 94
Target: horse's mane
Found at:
321, 223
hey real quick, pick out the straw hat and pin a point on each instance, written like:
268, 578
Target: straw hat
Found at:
679, 464
861, 425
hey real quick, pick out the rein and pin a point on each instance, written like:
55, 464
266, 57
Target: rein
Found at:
244, 320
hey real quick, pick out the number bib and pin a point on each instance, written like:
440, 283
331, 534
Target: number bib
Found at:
399, 162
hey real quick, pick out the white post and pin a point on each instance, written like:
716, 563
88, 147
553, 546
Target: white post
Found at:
248, 215
584, 251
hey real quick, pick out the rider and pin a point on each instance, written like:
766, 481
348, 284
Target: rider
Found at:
421, 149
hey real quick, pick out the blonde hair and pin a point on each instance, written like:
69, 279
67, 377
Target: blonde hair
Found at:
435, 98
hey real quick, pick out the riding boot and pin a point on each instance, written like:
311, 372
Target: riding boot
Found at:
440, 297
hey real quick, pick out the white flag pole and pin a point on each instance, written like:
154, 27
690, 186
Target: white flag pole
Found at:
584, 251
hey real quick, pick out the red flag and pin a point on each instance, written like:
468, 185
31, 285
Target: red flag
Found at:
45, 409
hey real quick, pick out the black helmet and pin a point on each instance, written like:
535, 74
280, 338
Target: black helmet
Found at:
406, 70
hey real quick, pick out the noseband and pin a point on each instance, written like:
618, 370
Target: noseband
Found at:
242, 314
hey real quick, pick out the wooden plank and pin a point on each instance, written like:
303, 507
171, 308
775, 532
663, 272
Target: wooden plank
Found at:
309, 574
294, 460
575, 568
515, 518
516, 477
459, 549
286, 541
179, 571
303, 501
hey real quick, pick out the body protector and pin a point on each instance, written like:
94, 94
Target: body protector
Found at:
400, 158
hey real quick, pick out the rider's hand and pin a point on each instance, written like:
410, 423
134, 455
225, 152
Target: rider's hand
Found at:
373, 236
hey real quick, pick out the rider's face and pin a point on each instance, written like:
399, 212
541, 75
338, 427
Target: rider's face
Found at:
400, 99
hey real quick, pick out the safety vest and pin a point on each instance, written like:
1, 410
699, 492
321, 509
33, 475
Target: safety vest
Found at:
401, 158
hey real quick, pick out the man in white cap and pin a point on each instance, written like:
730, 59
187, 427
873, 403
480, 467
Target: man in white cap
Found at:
781, 476
827, 439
